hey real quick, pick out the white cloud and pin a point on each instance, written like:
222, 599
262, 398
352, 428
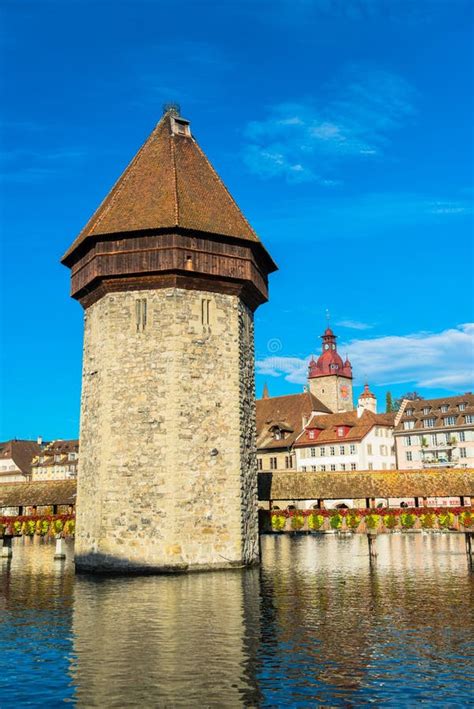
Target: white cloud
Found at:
443, 360
354, 325
357, 119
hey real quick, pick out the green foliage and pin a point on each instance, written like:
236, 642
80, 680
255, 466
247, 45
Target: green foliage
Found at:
58, 526
353, 520
388, 403
315, 521
445, 519
389, 521
407, 520
466, 518
372, 520
278, 523
297, 522
335, 521
428, 520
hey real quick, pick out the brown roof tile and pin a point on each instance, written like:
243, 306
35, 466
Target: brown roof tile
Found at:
21, 452
358, 427
286, 412
416, 414
49, 492
169, 183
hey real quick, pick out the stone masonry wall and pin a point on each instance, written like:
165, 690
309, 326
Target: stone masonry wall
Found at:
167, 473
327, 390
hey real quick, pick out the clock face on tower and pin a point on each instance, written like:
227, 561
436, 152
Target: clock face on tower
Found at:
326, 346
344, 391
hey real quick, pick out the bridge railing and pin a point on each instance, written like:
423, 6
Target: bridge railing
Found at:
379, 520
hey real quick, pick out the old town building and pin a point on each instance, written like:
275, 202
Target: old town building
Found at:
433, 433
16, 459
57, 461
280, 420
329, 377
169, 273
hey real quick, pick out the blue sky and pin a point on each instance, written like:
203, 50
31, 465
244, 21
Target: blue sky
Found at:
343, 129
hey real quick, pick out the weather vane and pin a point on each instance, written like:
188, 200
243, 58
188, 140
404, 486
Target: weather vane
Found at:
327, 315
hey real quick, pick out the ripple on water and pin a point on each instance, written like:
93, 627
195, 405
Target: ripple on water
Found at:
315, 625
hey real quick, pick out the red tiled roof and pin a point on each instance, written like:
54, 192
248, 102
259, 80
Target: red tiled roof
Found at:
356, 428
287, 413
21, 452
435, 405
169, 183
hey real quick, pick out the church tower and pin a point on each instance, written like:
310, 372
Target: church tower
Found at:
329, 378
169, 274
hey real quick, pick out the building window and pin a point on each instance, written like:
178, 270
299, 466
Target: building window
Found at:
273, 463
461, 407
426, 409
333, 467
313, 452
407, 425
408, 440
462, 453
409, 412
340, 431
313, 468
383, 450
311, 434
444, 408
140, 313
429, 423
205, 311
332, 450
259, 464
303, 468
434, 439
323, 468
369, 448
462, 435
323, 450
343, 466
469, 418
449, 420
352, 449
409, 455
353, 466
371, 466
288, 461
342, 450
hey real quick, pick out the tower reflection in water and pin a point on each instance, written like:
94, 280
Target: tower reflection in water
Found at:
172, 641
317, 624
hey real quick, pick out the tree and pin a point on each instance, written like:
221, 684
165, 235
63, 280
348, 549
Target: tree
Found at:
411, 395
388, 403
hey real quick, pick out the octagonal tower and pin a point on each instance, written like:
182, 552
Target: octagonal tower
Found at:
169, 273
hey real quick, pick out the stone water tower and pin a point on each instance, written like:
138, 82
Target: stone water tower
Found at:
169, 273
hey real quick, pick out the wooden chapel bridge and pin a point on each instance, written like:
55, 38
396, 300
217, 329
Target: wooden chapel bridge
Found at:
25, 506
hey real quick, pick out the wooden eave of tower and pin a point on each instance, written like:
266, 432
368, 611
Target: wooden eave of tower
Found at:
169, 221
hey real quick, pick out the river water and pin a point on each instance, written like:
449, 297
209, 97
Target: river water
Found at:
315, 625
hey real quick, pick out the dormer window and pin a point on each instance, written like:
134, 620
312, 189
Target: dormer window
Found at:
409, 412
311, 434
340, 431
426, 409
180, 126
444, 408
461, 407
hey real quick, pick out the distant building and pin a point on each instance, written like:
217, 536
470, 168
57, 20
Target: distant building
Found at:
329, 378
352, 440
432, 433
280, 420
57, 461
16, 458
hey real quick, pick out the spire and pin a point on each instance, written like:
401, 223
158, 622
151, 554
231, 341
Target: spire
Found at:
265, 393
329, 362
169, 183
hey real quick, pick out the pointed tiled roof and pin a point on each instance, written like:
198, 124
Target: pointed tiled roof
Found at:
169, 183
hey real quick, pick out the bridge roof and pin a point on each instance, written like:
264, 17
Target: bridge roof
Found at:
443, 482
41, 493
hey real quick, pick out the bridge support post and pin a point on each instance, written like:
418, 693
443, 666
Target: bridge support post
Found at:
372, 538
469, 536
6, 547
60, 552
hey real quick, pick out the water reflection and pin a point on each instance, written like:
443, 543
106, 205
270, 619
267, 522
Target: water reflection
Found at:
316, 625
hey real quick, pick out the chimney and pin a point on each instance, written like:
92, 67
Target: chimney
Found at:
39, 440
